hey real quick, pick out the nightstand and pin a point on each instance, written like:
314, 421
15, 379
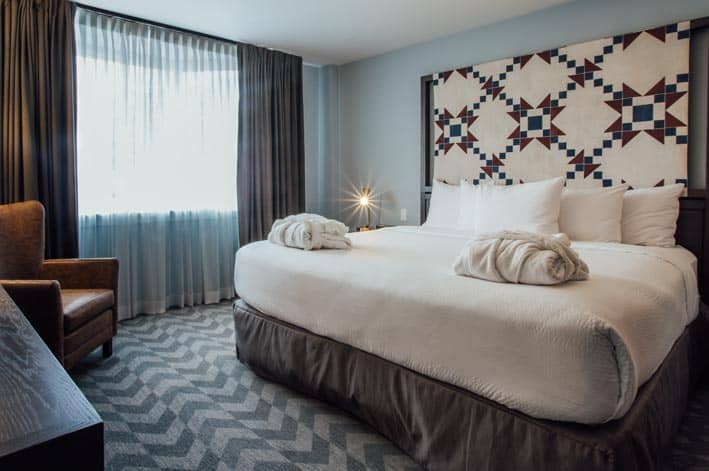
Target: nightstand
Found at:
378, 226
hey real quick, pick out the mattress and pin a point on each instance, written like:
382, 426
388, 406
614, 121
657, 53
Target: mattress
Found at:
576, 352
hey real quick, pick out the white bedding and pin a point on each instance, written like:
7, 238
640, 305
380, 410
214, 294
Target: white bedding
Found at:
574, 352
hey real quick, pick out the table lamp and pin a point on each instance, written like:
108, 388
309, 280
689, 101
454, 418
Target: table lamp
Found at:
365, 203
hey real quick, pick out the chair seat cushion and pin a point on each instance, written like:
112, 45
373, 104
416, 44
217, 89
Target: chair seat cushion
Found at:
82, 305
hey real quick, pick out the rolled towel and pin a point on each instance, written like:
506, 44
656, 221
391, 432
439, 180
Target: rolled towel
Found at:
309, 232
521, 257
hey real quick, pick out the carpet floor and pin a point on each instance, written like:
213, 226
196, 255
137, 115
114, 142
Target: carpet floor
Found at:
173, 396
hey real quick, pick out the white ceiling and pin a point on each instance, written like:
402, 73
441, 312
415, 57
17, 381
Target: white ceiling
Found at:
327, 31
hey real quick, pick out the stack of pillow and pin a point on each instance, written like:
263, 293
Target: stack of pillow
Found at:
645, 216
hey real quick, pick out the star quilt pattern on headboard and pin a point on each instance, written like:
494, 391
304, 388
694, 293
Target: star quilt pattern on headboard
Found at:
599, 113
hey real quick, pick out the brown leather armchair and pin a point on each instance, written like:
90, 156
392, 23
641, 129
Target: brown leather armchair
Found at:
72, 303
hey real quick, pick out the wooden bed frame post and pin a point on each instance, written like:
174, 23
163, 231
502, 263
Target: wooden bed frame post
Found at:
426, 137
426, 158
703, 23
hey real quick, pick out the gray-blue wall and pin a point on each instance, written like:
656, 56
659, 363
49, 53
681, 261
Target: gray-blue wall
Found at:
321, 115
311, 119
368, 121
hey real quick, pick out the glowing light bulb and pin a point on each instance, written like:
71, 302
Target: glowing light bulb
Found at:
364, 201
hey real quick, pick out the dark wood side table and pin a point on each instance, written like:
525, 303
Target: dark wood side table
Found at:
46, 422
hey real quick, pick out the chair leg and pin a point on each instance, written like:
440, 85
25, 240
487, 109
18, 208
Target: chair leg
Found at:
108, 348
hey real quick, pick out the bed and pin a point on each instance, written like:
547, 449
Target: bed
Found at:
468, 374
387, 332
576, 352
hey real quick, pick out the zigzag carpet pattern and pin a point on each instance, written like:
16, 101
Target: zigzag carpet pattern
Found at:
174, 396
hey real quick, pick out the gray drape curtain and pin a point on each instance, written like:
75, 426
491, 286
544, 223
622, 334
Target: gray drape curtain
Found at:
271, 167
37, 114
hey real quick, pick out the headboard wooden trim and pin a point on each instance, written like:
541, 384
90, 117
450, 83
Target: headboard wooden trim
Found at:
692, 225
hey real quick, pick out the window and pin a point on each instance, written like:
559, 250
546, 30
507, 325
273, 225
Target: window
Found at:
157, 113
157, 129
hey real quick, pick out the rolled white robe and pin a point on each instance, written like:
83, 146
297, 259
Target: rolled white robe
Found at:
309, 232
521, 257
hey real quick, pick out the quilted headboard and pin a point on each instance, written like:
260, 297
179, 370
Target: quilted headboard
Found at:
599, 113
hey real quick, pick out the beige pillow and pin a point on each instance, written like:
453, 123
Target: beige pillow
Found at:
467, 209
444, 206
530, 207
650, 215
592, 214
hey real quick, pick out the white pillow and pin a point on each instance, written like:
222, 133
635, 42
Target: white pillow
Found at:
443, 207
468, 197
531, 207
650, 215
592, 214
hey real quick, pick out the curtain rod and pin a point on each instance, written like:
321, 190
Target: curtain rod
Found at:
695, 24
156, 23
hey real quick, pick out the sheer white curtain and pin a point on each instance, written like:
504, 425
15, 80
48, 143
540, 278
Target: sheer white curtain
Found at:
157, 129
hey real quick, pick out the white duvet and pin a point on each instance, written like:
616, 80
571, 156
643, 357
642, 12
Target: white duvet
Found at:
574, 352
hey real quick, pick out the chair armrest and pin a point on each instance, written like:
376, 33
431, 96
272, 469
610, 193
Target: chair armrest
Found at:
41, 303
82, 273
85, 273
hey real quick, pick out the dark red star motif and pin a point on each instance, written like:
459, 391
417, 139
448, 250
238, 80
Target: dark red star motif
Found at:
495, 90
466, 120
587, 168
658, 33
463, 71
496, 162
588, 66
670, 121
544, 55
553, 130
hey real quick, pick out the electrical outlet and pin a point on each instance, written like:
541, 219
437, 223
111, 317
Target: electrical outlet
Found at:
404, 216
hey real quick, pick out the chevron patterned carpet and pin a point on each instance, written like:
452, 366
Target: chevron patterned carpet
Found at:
173, 396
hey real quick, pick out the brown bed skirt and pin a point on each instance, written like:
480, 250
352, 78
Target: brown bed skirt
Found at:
444, 427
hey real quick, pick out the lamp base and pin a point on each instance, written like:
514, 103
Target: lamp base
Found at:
363, 229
